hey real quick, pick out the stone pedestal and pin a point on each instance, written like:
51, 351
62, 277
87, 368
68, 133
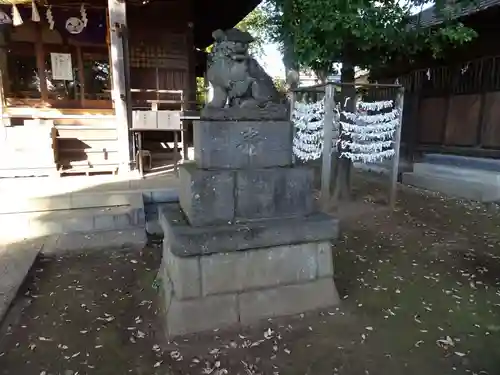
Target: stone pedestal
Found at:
246, 241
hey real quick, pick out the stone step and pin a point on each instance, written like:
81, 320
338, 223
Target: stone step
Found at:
134, 237
13, 203
455, 186
463, 161
85, 220
469, 174
16, 260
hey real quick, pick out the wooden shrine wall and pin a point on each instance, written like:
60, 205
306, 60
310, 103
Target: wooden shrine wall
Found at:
461, 120
161, 50
455, 107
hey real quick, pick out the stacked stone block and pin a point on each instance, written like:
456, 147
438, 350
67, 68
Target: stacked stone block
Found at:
246, 241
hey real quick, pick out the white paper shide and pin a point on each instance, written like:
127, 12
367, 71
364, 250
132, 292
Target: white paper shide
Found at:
308, 121
367, 136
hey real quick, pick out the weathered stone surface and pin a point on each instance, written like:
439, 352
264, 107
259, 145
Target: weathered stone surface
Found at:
274, 192
186, 240
271, 112
207, 197
287, 300
246, 270
183, 273
325, 259
242, 144
200, 314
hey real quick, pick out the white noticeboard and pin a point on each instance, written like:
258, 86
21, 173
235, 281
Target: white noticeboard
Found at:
61, 66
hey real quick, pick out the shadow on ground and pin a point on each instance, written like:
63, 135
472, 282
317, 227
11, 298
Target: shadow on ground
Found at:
420, 296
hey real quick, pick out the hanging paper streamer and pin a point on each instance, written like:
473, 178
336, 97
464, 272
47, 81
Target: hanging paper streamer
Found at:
5, 19
35, 16
308, 121
83, 15
375, 106
50, 18
16, 16
369, 138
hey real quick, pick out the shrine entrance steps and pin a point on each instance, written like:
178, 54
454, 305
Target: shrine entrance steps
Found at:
458, 176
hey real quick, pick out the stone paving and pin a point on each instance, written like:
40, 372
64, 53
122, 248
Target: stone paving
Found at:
16, 260
17, 256
49, 187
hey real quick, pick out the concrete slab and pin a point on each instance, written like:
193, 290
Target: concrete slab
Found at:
463, 161
38, 224
452, 171
50, 187
10, 204
94, 241
455, 186
15, 262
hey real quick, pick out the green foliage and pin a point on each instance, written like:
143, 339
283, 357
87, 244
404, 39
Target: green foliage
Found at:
201, 91
364, 33
256, 23
280, 85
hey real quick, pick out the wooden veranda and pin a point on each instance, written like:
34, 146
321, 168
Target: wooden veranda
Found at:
114, 58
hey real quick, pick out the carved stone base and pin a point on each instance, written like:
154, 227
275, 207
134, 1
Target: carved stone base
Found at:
213, 291
186, 240
242, 144
210, 197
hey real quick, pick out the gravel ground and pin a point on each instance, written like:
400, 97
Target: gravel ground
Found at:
419, 287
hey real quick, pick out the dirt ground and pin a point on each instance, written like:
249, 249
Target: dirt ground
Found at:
419, 294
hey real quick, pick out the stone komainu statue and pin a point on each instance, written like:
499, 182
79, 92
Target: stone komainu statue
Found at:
237, 78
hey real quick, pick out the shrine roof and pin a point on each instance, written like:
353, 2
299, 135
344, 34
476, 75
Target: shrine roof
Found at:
430, 16
210, 15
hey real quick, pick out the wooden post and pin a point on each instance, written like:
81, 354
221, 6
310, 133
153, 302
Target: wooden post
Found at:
117, 30
397, 145
40, 63
81, 74
291, 100
2, 100
413, 122
328, 134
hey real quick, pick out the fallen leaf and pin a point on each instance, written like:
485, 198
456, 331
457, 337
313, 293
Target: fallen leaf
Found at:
268, 334
175, 355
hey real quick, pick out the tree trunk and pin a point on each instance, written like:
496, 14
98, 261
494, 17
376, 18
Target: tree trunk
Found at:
291, 66
342, 175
